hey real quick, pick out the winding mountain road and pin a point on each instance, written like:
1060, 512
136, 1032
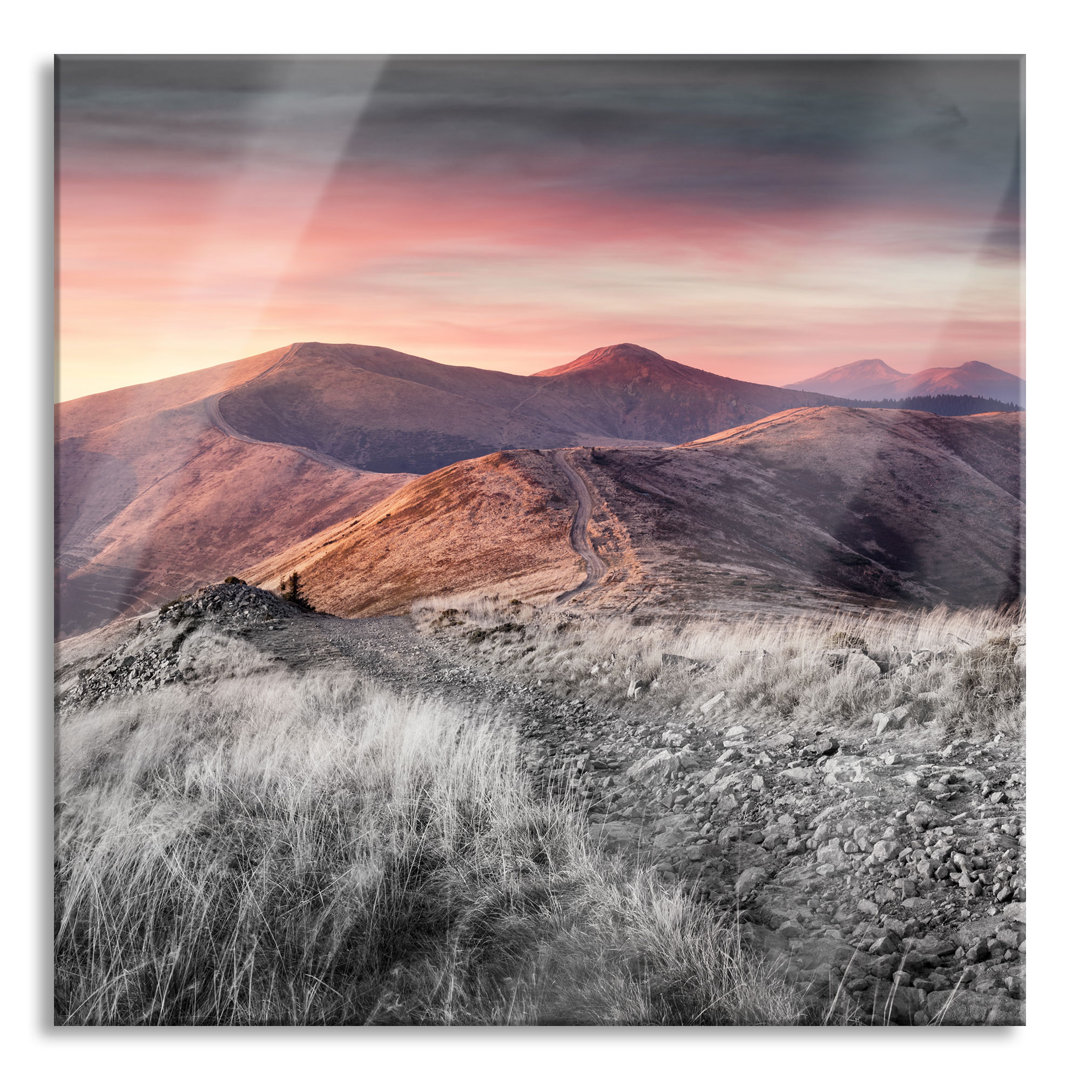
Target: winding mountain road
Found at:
595, 567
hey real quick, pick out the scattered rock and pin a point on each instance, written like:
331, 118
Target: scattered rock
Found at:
750, 880
852, 660
967, 1007
667, 763
715, 700
822, 746
893, 719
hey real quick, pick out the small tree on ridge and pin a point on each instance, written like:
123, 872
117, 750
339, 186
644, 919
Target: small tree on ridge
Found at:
292, 591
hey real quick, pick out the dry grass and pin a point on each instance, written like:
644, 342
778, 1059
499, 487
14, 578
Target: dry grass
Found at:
960, 672
270, 849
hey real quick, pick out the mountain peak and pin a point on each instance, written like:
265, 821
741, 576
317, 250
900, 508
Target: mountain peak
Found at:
859, 373
874, 380
627, 350
874, 365
627, 357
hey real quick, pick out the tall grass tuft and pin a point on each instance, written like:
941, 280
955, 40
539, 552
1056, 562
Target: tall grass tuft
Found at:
278, 849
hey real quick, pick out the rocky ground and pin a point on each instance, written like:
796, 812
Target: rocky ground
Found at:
886, 876
891, 884
150, 655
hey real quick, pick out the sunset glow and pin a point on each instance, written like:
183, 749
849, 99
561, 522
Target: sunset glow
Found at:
761, 220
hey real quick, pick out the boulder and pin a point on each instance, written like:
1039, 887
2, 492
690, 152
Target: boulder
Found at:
750, 880
822, 746
893, 719
845, 769
853, 661
619, 834
715, 700
832, 853
666, 763
675, 662
884, 851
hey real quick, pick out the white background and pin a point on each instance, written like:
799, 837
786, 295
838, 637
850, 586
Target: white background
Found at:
32, 36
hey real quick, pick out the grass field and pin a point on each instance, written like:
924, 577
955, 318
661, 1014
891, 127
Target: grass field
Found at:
267, 848
961, 673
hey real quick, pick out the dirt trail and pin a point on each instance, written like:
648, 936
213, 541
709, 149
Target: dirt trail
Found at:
890, 868
213, 412
846, 861
595, 567
390, 651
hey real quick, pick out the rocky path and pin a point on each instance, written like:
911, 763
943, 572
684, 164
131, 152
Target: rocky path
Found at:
886, 878
890, 883
595, 567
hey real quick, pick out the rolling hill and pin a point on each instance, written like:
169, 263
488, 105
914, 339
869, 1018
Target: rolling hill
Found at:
167, 485
808, 506
385, 411
152, 498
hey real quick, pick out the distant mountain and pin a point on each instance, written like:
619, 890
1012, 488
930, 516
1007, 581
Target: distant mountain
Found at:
874, 380
390, 412
974, 377
804, 507
859, 380
170, 484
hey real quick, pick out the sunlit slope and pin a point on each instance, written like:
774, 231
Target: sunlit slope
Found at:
808, 507
500, 521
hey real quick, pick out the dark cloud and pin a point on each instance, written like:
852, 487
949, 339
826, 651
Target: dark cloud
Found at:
79, 76
1005, 237
752, 131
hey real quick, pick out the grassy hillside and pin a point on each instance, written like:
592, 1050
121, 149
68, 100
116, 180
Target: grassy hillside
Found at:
251, 847
959, 674
803, 510
504, 518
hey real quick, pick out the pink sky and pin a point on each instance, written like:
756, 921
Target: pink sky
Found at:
170, 263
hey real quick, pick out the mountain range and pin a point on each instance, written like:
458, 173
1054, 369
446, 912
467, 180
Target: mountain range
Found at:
387, 411
162, 486
309, 457
874, 380
807, 506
